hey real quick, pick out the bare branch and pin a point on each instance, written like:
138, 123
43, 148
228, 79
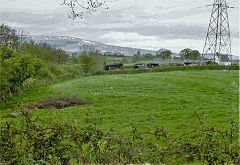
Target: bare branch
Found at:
79, 8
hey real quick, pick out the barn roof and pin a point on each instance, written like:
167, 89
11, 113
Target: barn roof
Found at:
111, 65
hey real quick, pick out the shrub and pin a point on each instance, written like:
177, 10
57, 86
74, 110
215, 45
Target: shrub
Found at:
4, 83
54, 143
45, 52
21, 68
15, 69
87, 64
6, 53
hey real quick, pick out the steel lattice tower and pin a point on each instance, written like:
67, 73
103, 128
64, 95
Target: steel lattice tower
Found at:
218, 42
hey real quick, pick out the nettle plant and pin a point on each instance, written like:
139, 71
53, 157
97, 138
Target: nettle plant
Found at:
29, 142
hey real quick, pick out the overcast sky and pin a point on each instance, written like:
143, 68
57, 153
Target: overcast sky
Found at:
149, 24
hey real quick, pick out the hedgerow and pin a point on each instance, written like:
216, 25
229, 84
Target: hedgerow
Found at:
169, 68
33, 143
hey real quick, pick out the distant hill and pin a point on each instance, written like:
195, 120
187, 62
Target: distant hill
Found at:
72, 45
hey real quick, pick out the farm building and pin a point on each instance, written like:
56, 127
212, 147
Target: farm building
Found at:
140, 66
114, 67
145, 66
152, 65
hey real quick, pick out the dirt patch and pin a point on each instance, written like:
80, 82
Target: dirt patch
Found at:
58, 103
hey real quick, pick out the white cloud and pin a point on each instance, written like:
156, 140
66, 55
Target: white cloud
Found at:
149, 42
126, 37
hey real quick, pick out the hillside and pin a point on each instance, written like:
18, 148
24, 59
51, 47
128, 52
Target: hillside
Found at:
72, 44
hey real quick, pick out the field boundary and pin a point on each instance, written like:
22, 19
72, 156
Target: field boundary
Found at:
168, 69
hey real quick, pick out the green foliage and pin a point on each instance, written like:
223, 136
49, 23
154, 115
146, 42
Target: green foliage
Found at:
148, 56
74, 59
164, 54
15, 69
21, 68
137, 56
55, 143
6, 53
45, 52
4, 82
87, 64
189, 54
10, 38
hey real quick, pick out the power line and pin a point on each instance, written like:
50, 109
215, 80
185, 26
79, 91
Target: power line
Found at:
218, 41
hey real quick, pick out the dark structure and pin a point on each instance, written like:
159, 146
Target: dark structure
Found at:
152, 65
178, 64
190, 63
140, 66
218, 40
145, 66
114, 67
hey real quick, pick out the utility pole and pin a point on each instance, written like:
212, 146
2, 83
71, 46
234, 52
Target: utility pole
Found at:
218, 39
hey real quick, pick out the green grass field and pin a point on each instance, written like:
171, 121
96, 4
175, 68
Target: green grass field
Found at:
147, 100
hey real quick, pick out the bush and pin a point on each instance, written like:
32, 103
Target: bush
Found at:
45, 52
55, 143
21, 68
18, 70
4, 83
87, 64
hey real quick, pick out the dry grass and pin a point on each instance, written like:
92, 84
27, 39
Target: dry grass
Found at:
57, 103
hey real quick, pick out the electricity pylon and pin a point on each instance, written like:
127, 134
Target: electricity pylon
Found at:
218, 41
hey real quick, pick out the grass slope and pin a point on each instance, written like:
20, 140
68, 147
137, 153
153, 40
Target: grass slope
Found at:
148, 100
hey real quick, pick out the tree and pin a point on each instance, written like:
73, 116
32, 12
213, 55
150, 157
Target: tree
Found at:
74, 59
100, 60
86, 49
164, 54
184, 54
137, 56
87, 63
10, 38
194, 55
148, 56
81, 7
15, 69
189, 54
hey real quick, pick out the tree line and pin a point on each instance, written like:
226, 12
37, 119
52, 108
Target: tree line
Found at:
165, 54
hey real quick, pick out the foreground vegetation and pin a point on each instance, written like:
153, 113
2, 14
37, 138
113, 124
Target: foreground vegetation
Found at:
59, 143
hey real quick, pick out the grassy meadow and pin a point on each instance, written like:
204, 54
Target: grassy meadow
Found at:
147, 100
